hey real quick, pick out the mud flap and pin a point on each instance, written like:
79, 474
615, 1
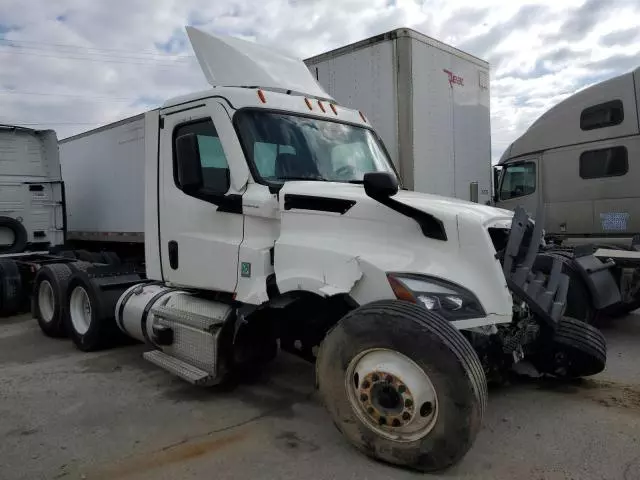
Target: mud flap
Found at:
546, 297
600, 282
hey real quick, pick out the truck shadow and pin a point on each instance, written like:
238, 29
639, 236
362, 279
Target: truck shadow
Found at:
272, 390
602, 392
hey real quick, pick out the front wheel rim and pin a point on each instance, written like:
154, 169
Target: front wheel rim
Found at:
391, 394
80, 310
46, 301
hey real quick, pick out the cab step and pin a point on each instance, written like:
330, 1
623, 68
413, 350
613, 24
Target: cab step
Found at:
179, 368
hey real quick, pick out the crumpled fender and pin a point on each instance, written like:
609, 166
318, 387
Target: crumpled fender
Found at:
330, 252
322, 273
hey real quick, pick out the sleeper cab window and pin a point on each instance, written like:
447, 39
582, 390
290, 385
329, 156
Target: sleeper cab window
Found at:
603, 115
213, 162
604, 162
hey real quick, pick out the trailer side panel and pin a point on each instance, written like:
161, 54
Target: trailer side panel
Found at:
451, 125
104, 179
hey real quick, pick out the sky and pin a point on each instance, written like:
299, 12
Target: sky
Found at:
73, 65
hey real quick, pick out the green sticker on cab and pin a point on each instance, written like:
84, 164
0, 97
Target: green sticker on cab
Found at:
245, 269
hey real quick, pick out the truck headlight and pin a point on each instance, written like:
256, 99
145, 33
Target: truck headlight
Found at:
450, 300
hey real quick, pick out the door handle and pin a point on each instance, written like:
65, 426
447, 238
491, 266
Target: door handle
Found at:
173, 254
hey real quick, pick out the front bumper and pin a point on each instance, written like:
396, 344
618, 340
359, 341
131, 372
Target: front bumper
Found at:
490, 319
546, 296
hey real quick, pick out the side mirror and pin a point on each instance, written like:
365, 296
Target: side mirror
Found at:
380, 184
496, 183
188, 163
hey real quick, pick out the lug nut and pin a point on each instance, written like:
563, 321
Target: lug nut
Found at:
370, 410
396, 422
382, 421
375, 377
389, 379
366, 384
364, 397
408, 403
406, 416
402, 389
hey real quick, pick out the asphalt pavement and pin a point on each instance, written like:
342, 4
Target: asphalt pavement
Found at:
67, 415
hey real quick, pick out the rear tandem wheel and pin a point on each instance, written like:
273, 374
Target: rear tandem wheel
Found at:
49, 296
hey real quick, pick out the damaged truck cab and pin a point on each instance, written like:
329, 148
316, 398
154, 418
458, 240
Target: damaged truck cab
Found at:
274, 219
303, 219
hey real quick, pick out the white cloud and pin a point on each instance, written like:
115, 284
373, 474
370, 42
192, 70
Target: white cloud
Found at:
540, 51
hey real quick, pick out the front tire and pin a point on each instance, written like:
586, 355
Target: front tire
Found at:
575, 350
403, 385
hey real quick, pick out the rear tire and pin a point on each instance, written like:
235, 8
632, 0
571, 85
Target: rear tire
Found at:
11, 295
575, 350
90, 321
403, 385
49, 298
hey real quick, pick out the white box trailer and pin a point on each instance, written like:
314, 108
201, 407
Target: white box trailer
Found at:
103, 170
428, 101
31, 190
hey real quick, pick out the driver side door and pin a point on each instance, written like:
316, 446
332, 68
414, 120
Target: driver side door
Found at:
200, 231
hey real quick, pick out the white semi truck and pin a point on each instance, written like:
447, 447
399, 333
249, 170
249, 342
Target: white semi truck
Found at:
31, 190
428, 101
272, 218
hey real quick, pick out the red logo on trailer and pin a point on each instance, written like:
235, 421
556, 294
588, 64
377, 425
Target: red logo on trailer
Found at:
454, 79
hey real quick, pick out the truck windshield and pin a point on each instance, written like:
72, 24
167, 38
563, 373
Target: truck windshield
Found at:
289, 147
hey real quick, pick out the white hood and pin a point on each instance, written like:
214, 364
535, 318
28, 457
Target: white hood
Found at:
435, 203
441, 207
349, 247
231, 62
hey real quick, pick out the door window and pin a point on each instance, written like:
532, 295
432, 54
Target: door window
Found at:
518, 180
212, 158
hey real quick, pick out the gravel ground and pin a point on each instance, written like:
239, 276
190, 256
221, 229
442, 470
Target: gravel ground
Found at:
111, 415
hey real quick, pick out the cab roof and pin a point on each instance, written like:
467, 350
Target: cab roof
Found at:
287, 102
560, 125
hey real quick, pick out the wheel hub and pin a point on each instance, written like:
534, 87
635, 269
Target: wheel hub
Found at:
391, 394
46, 301
80, 310
386, 399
